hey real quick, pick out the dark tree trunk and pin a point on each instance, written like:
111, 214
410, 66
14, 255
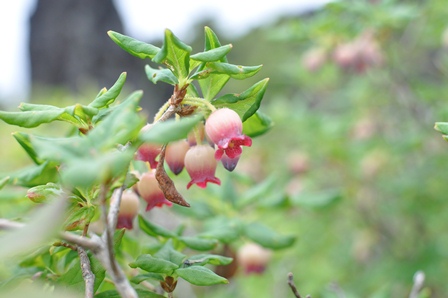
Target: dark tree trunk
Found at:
69, 47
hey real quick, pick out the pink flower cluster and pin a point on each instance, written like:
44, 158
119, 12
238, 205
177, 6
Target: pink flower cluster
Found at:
223, 130
197, 154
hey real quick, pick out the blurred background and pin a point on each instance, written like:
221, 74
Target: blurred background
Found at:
355, 88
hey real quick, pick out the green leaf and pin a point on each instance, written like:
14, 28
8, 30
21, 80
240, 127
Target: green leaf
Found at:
258, 191
85, 113
154, 230
266, 237
24, 141
208, 259
97, 168
120, 126
58, 149
133, 46
140, 292
211, 55
108, 97
441, 127
200, 244
257, 124
152, 264
221, 228
30, 119
170, 130
4, 181
77, 115
142, 277
234, 71
200, 276
168, 253
73, 277
211, 85
35, 175
43, 226
246, 103
44, 192
163, 74
316, 199
175, 54
212, 41
78, 218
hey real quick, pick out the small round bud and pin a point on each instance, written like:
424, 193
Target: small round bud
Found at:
148, 188
129, 207
201, 165
149, 152
253, 258
175, 155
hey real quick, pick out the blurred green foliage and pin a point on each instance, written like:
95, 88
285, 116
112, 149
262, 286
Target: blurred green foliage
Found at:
352, 166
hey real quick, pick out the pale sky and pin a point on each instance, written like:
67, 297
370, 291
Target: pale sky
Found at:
143, 19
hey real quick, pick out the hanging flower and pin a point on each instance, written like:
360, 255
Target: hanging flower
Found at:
201, 166
129, 206
148, 152
225, 128
148, 188
175, 155
253, 258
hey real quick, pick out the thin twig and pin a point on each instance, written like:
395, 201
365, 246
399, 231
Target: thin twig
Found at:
87, 274
419, 279
108, 232
85, 242
105, 254
6, 224
114, 208
293, 286
64, 244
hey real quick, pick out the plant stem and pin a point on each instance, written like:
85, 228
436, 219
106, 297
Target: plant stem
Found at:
87, 274
293, 286
199, 102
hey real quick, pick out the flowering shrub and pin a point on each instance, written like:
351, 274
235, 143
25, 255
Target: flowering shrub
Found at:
91, 181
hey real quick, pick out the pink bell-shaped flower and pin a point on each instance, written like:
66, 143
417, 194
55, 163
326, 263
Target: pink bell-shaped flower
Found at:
225, 128
201, 166
129, 206
149, 152
148, 188
253, 258
175, 155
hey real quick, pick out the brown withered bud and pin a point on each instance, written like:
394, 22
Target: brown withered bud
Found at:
178, 95
166, 184
169, 284
186, 110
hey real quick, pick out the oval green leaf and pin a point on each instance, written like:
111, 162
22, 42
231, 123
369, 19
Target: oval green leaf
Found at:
155, 265
200, 276
266, 237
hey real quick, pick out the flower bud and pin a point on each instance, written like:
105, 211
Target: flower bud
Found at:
314, 59
201, 165
148, 188
225, 128
41, 193
175, 155
148, 152
129, 207
253, 258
